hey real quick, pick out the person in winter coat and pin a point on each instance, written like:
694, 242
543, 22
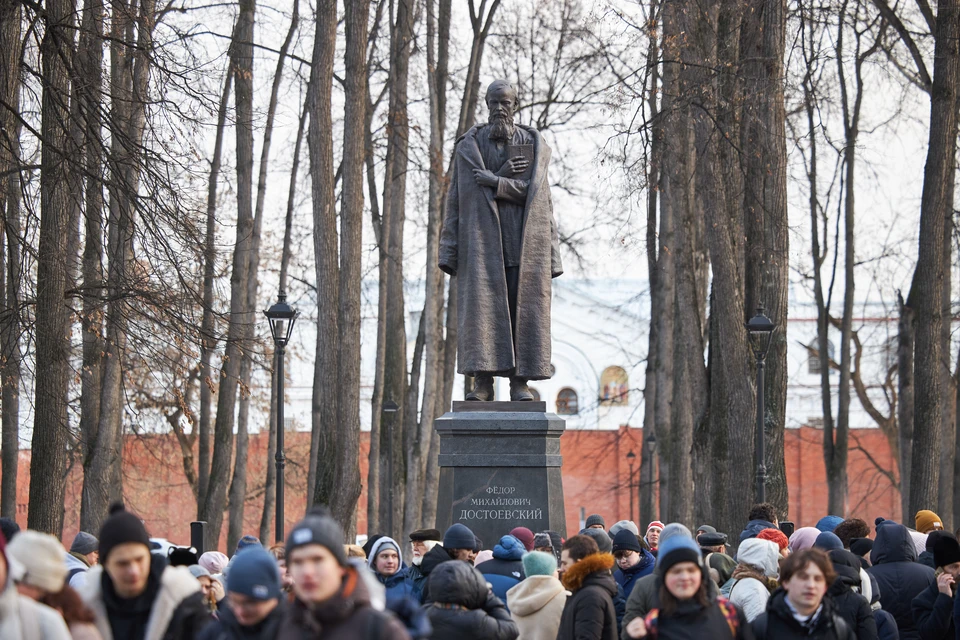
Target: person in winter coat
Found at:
22, 617
40, 556
851, 529
464, 607
254, 600
455, 541
633, 561
83, 554
933, 608
386, 562
848, 597
588, 613
829, 523
135, 595
536, 604
926, 557
686, 611
605, 545
331, 600
422, 542
524, 535
715, 558
927, 521
762, 516
505, 569
78, 616
652, 536
899, 577
755, 577
800, 608
803, 538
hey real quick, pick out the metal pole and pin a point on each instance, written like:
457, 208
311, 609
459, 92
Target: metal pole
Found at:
631, 492
760, 444
280, 458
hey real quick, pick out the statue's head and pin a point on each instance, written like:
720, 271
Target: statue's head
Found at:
502, 102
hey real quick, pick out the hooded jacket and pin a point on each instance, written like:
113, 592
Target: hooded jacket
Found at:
778, 622
589, 613
848, 600
505, 570
536, 605
748, 593
25, 619
77, 568
933, 614
396, 586
465, 608
899, 577
753, 529
626, 578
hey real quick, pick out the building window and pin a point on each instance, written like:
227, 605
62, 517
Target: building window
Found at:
813, 360
567, 402
614, 386
536, 394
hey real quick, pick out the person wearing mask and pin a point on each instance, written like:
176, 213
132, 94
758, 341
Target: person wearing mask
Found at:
686, 610
386, 562
330, 599
652, 536
933, 607
458, 544
633, 561
536, 604
254, 600
422, 542
82, 555
755, 577
505, 569
464, 607
799, 608
848, 597
762, 516
588, 613
22, 616
135, 596
899, 576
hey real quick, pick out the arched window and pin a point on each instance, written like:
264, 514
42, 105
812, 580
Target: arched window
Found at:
813, 360
567, 402
614, 386
536, 394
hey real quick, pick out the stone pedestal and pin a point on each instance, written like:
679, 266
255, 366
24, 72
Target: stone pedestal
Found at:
500, 468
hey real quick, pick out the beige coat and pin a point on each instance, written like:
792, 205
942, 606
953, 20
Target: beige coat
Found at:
536, 605
25, 619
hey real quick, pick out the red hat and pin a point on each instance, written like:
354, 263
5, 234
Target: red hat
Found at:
655, 523
775, 535
525, 536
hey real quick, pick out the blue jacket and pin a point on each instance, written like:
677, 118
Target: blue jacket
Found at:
754, 527
626, 578
899, 576
505, 570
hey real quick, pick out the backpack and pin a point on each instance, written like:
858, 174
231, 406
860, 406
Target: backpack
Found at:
74, 572
728, 610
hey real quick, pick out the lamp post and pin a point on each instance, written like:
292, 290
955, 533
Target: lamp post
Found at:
647, 473
282, 317
631, 456
760, 330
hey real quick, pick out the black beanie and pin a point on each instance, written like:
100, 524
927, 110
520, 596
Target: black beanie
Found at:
120, 528
626, 540
860, 546
317, 527
946, 550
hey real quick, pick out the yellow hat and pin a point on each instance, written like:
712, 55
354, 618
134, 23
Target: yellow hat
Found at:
927, 521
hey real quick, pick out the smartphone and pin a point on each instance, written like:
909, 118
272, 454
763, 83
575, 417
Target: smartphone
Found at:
787, 527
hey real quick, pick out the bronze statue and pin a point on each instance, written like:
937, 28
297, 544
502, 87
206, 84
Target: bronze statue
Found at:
500, 240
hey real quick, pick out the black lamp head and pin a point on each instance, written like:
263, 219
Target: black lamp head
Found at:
760, 330
282, 318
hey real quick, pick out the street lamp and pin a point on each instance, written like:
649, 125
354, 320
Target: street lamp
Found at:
631, 456
760, 331
282, 318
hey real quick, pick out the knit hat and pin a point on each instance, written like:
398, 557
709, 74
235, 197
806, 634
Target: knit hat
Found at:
255, 574
626, 541
777, 536
483, 556
828, 541
932, 538
9, 528
424, 535
368, 545
595, 519
624, 524
525, 536
246, 542
674, 529
42, 558
84, 543
803, 538
604, 543
542, 540
213, 561
121, 527
712, 539
926, 520
946, 550
383, 544
538, 563
676, 550
705, 528
860, 546
459, 536
655, 523
198, 571
829, 523
317, 527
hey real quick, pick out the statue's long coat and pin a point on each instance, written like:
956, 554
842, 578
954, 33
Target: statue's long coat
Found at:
471, 249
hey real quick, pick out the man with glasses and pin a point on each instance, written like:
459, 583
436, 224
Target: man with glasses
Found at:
633, 561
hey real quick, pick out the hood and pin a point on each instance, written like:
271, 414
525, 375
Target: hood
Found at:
847, 567
533, 594
760, 554
378, 546
509, 548
597, 563
456, 582
753, 529
433, 558
893, 544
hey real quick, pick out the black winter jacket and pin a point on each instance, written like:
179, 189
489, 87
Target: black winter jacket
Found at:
849, 604
692, 622
898, 575
431, 560
229, 628
933, 614
465, 608
778, 622
589, 613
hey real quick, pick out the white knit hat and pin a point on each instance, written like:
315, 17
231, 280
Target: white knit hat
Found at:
43, 560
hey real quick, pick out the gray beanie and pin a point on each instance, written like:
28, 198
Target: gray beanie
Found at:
595, 519
604, 543
671, 530
198, 572
624, 524
84, 543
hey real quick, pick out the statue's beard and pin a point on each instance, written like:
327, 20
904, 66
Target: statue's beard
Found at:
501, 127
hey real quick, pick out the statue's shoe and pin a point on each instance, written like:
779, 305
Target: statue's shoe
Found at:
482, 389
519, 391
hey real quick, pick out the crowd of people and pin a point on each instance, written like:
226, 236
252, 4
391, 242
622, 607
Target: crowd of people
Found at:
838, 580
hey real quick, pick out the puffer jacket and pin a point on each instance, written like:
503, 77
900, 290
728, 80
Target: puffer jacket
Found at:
627, 577
933, 614
748, 593
778, 623
536, 605
505, 570
464, 607
899, 576
589, 613
849, 603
